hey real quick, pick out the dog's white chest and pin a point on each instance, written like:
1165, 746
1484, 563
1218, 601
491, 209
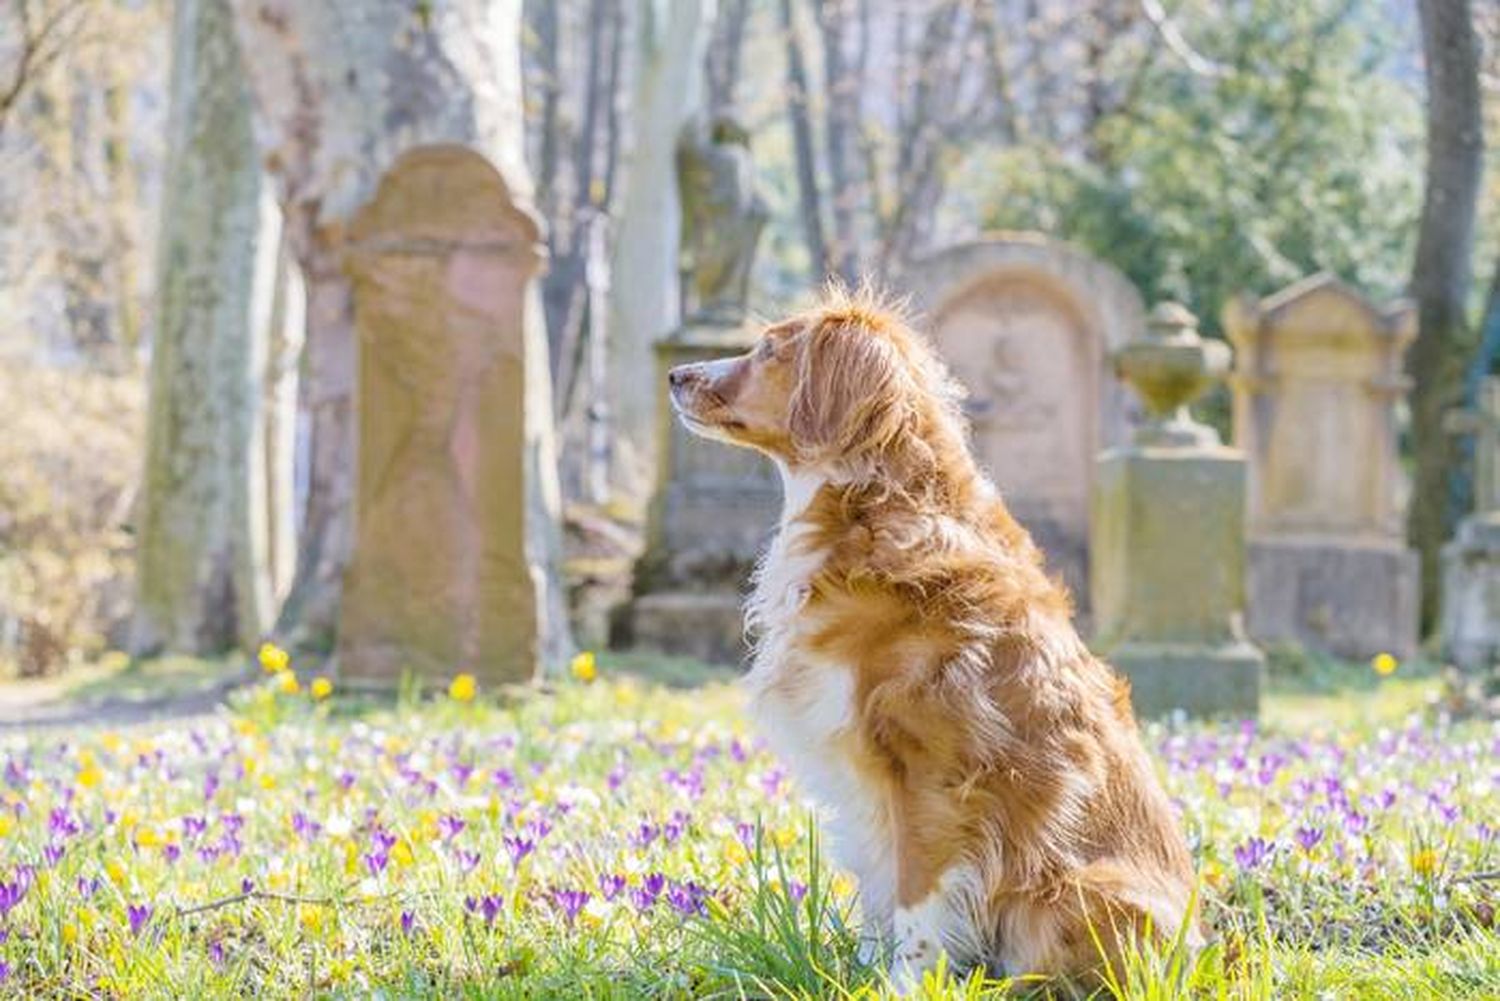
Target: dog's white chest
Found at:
806, 712
805, 708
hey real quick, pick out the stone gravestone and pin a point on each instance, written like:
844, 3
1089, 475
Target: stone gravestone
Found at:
447, 571
1028, 326
1168, 567
1471, 562
1318, 381
714, 505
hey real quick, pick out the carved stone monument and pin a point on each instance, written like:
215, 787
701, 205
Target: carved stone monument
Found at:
1028, 325
722, 219
713, 507
448, 570
1471, 561
1318, 381
1168, 568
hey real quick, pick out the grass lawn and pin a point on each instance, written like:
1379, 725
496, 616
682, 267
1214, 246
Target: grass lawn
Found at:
626, 837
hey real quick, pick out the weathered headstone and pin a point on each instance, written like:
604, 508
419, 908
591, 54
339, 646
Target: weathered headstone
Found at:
1028, 326
1168, 567
713, 506
447, 573
1471, 561
1318, 380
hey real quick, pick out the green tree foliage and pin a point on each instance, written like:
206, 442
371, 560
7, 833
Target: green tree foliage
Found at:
1283, 142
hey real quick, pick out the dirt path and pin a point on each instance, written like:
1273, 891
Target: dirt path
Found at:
54, 703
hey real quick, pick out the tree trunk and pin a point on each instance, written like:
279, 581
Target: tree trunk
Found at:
809, 196
202, 585
341, 90
286, 327
1442, 271
721, 68
644, 289
841, 99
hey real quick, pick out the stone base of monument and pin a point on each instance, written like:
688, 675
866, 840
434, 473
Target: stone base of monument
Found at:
1199, 681
708, 626
1345, 600
1471, 593
713, 509
1168, 579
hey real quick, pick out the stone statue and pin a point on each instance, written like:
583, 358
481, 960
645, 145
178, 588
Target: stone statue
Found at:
722, 219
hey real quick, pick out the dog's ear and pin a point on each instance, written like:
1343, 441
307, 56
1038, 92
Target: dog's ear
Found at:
848, 398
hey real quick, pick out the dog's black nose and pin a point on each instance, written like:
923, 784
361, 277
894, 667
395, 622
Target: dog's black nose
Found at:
678, 377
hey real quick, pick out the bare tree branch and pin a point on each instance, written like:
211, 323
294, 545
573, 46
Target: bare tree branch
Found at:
1167, 29
39, 47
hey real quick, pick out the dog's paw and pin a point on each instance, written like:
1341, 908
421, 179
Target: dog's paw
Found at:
918, 948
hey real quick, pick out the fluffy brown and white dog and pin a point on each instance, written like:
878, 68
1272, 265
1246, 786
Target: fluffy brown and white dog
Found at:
979, 771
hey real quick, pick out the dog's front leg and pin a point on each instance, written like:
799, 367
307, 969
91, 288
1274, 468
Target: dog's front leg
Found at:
922, 912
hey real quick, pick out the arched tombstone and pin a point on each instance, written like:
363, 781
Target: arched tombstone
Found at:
1028, 325
448, 572
1318, 380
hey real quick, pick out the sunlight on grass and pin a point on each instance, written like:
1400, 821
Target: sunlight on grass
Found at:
621, 837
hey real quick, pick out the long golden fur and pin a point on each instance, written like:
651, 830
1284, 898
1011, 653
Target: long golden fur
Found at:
981, 770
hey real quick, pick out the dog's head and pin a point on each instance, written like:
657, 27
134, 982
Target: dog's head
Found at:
845, 380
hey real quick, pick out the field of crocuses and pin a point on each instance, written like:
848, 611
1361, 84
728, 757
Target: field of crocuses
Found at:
614, 838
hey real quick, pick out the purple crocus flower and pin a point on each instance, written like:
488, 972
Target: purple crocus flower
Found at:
62, 824
687, 898
52, 854
467, 861
518, 848
304, 826
644, 897
376, 861
503, 778
796, 891
645, 833
13, 892
610, 885
247, 886
1308, 838
216, 954
570, 902
491, 907
139, 915
1252, 854
192, 827
673, 829
539, 829
232, 823
408, 922
487, 906
450, 826
171, 852
87, 887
